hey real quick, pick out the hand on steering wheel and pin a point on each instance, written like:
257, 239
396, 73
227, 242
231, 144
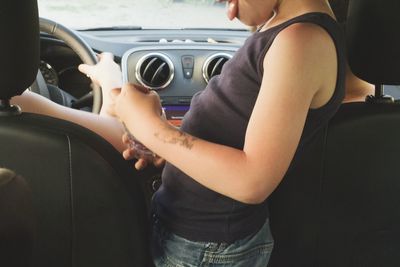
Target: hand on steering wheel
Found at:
80, 47
106, 74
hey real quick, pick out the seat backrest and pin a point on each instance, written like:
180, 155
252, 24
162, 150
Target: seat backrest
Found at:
89, 205
17, 220
339, 204
90, 208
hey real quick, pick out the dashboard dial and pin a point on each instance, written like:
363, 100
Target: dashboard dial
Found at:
49, 73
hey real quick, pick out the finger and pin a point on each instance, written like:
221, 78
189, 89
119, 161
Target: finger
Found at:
159, 162
114, 93
135, 87
154, 95
85, 69
142, 88
128, 154
140, 164
106, 55
125, 139
163, 115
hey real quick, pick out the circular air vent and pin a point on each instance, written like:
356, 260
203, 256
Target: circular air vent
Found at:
155, 71
213, 65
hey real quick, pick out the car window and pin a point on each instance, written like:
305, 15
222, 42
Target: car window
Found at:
84, 14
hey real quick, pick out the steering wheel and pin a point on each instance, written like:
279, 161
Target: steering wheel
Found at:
80, 47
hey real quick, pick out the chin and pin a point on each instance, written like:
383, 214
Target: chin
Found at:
250, 23
254, 22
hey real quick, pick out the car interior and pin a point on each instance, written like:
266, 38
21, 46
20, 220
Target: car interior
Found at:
337, 207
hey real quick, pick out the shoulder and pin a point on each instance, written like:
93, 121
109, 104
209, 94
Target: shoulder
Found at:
306, 53
305, 34
303, 45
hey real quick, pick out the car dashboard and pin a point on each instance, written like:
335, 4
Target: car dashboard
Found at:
177, 63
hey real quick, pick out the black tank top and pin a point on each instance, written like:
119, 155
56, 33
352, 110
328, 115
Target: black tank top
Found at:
220, 114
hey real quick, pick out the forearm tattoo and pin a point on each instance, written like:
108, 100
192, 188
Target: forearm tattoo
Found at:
176, 137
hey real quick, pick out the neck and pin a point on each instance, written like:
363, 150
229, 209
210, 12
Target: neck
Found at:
287, 9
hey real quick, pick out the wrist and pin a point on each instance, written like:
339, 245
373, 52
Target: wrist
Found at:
109, 85
107, 102
144, 127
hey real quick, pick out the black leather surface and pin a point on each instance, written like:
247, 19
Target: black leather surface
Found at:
373, 40
88, 201
340, 205
17, 221
360, 191
19, 46
339, 8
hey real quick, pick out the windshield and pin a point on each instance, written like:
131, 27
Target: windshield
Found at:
84, 14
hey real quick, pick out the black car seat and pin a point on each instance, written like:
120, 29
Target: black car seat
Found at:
339, 206
17, 220
89, 207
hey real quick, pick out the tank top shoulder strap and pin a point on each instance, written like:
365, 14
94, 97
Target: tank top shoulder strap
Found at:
332, 28
322, 19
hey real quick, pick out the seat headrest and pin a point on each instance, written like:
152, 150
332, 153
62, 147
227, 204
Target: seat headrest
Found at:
339, 8
19, 46
373, 40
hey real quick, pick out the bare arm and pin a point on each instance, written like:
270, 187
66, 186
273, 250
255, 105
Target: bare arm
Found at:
106, 126
356, 89
108, 75
299, 73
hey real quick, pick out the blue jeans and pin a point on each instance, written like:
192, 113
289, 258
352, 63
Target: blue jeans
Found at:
170, 250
